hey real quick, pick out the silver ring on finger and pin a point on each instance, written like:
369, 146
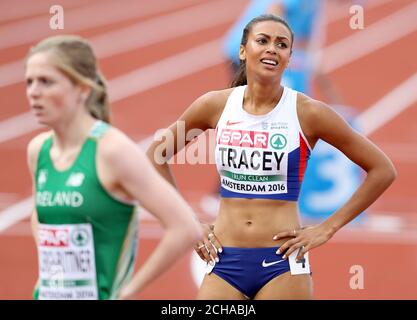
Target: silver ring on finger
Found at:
213, 246
210, 236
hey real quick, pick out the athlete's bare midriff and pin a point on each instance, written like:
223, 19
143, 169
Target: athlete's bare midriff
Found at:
252, 223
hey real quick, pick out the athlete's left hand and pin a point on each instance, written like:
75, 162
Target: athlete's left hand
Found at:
305, 238
209, 247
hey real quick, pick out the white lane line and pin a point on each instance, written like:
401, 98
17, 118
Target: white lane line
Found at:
389, 106
7, 70
170, 69
371, 38
165, 27
143, 34
6, 199
17, 126
19, 211
75, 20
135, 82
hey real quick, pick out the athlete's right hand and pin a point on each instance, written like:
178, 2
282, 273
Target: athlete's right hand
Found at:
209, 246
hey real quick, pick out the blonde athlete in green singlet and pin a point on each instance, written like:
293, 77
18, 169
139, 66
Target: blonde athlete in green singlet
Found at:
88, 177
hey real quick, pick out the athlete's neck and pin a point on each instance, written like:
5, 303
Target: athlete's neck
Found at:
261, 98
72, 132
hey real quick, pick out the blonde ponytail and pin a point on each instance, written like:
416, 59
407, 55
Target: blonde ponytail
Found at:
98, 101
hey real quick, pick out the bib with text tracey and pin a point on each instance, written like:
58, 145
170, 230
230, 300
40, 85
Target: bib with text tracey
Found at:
253, 161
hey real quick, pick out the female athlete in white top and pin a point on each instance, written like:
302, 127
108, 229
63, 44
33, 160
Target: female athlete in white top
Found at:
264, 248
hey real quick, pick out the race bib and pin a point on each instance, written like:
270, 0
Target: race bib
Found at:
67, 269
253, 162
302, 267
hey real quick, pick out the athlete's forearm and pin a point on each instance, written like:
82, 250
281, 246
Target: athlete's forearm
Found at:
175, 242
165, 171
161, 165
376, 182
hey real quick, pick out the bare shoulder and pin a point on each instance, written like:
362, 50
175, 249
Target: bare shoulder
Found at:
308, 107
206, 110
114, 144
34, 146
222, 95
120, 159
320, 121
215, 99
316, 116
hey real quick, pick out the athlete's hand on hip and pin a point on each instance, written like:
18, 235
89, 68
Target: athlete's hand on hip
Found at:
303, 239
209, 246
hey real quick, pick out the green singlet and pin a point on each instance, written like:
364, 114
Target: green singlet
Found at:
87, 239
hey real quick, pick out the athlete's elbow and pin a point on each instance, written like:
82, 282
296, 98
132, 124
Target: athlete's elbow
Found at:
193, 231
392, 174
387, 174
190, 230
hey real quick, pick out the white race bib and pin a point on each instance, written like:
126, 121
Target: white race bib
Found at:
302, 267
253, 162
67, 268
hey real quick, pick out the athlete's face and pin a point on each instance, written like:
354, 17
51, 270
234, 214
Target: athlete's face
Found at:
268, 49
52, 95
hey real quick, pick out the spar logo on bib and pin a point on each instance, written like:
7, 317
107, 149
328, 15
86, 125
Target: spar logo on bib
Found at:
244, 138
278, 141
80, 237
53, 237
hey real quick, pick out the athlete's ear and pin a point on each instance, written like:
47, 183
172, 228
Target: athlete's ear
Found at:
242, 53
84, 93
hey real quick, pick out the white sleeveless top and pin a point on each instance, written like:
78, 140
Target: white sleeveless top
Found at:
261, 156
